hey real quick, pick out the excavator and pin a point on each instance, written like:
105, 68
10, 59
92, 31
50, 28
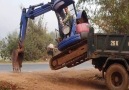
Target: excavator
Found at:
78, 43
74, 36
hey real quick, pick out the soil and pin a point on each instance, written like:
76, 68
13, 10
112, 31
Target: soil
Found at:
65, 79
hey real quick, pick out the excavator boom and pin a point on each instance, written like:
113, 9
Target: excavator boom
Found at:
32, 12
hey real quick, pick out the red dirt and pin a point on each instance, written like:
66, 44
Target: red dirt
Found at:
70, 79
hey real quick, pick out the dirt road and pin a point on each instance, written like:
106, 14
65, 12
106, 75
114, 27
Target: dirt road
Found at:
70, 79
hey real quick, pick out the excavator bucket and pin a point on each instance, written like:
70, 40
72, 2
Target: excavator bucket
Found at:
17, 58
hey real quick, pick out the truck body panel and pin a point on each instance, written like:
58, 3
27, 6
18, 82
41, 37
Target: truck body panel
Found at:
111, 45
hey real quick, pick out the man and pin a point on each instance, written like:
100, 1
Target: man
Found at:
67, 17
64, 21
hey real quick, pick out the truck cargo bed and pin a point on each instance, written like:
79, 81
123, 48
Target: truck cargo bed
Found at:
111, 45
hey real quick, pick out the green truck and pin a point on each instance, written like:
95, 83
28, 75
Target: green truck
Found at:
110, 55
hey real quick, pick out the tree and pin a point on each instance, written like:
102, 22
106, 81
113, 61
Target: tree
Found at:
36, 40
8, 44
109, 15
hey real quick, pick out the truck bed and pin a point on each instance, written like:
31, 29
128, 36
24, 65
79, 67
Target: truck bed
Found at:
111, 45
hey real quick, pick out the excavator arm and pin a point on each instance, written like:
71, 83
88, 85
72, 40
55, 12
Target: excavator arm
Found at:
27, 13
32, 12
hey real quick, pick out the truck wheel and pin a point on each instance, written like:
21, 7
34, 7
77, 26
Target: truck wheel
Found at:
116, 77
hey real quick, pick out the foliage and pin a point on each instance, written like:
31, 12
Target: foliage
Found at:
36, 41
54, 35
8, 44
109, 15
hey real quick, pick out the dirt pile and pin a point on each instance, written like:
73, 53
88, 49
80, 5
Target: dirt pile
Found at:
4, 85
70, 79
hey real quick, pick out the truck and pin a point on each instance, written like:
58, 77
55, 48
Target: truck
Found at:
79, 43
111, 57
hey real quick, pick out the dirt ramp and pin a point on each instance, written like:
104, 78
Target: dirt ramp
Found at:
65, 79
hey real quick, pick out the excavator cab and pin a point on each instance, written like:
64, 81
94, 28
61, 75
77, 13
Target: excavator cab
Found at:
66, 31
75, 29
59, 8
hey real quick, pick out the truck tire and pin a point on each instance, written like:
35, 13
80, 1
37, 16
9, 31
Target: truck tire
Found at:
116, 77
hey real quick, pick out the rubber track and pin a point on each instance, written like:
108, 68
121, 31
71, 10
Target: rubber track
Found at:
78, 60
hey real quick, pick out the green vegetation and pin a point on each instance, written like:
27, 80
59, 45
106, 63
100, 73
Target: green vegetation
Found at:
7, 45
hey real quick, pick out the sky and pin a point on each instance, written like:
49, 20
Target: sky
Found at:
10, 14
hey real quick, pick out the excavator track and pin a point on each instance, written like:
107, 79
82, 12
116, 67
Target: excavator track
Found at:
72, 56
77, 61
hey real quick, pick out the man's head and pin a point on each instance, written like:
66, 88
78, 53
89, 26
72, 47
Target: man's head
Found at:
66, 9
